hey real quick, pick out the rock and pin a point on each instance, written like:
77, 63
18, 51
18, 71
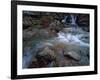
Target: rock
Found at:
70, 62
52, 32
83, 20
66, 61
84, 61
61, 62
73, 30
45, 21
67, 30
55, 25
25, 35
72, 47
45, 57
34, 64
49, 45
27, 21
44, 33
84, 51
29, 33
85, 37
47, 54
41, 46
73, 55
51, 64
85, 28
58, 44
42, 63
52, 25
47, 33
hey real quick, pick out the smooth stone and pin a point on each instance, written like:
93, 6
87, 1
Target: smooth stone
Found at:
73, 55
47, 54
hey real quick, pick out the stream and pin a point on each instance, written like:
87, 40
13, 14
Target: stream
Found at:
74, 35
62, 37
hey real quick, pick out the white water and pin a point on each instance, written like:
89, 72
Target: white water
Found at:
65, 18
73, 19
68, 37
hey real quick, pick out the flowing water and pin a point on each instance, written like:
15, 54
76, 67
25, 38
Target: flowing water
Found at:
74, 39
73, 19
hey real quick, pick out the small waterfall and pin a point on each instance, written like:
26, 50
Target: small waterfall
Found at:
65, 18
70, 19
73, 19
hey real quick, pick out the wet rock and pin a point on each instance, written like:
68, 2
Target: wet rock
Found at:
44, 33
52, 32
42, 63
85, 40
85, 37
45, 57
29, 33
73, 30
51, 64
73, 55
67, 30
58, 48
84, 51
47, 33
27, 21
85, 28
45, 21
61, 62
84, 61
83, 20
70, 62
41, 46
46, 54
34, 64
52, 25
55, 25
66, 61
58, 44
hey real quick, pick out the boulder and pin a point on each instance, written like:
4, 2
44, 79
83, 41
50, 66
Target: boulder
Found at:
70, 62
46, 54
73, 55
